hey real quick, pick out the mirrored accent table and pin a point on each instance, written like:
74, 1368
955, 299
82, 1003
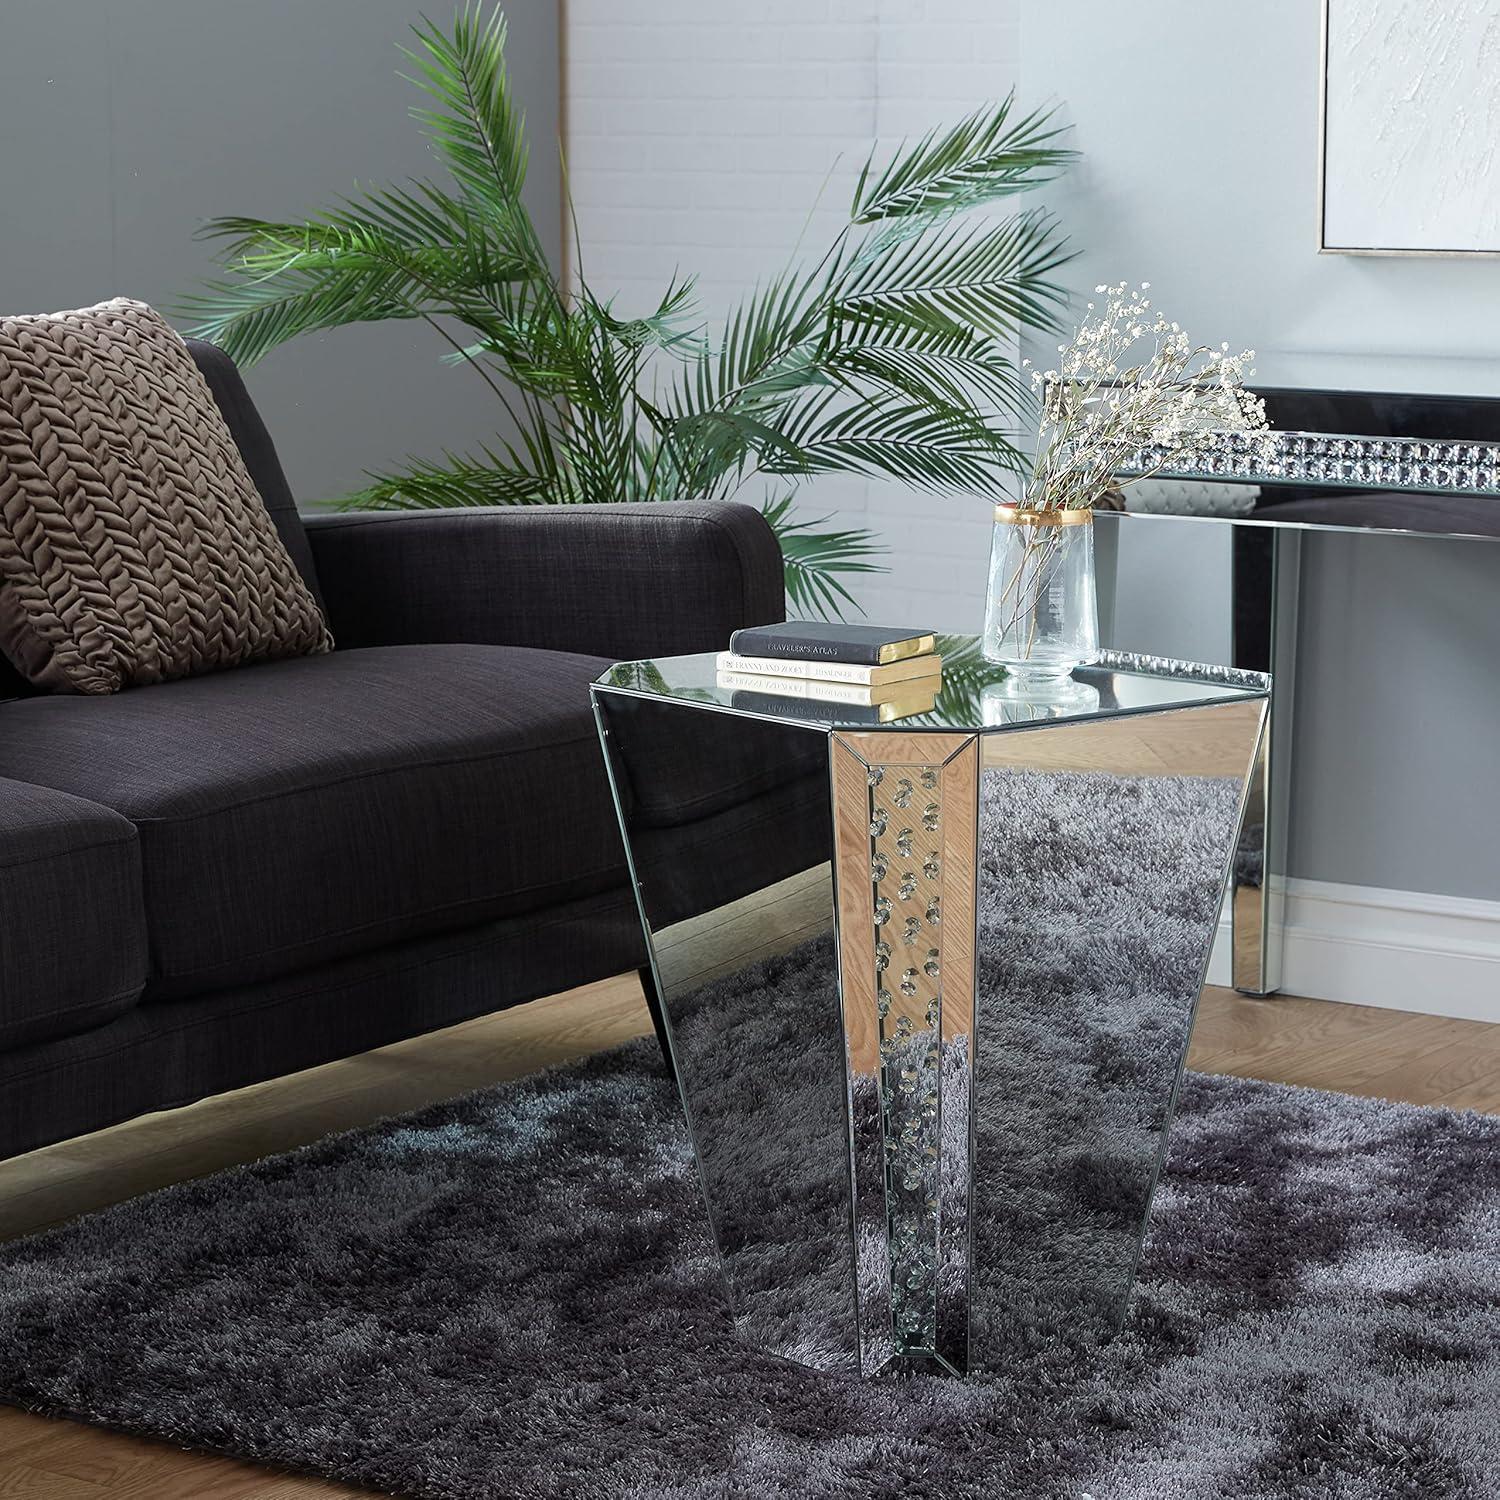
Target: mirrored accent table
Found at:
927, 984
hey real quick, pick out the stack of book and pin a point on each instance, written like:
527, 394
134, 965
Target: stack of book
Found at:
863, 673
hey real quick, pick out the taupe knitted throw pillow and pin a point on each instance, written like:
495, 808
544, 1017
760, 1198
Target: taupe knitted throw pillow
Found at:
133, 545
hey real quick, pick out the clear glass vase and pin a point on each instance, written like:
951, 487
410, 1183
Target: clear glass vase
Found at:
1041, 614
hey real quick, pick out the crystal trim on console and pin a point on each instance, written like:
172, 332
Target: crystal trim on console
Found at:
1403, 463
1193, 671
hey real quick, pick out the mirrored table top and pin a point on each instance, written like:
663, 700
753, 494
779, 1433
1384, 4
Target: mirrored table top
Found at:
973, 696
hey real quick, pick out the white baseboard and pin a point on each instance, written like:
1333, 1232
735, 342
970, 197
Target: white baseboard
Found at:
1401, 950
1220, 967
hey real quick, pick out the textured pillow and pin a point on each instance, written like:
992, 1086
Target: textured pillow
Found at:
133, 545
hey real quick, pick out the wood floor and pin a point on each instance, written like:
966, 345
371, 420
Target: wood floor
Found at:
1382, 1053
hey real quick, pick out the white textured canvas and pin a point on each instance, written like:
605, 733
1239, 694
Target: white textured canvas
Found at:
1412, 125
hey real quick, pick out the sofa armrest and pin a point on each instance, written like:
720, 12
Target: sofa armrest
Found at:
622, 581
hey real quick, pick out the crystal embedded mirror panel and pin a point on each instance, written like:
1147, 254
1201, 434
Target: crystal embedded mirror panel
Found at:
905, 809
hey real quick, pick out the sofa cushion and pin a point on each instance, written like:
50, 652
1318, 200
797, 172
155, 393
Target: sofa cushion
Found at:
258, 451
73, 949
298, 811
133, 544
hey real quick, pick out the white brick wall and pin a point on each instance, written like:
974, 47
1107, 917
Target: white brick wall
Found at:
702, 134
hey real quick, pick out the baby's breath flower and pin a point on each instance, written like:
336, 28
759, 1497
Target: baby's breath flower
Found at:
1175, 403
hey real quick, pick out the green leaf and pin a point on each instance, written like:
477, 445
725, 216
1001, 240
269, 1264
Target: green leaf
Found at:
990, 279
987, 156
980, 380
803, 369
813, 560
477, 127
762, 333
490, 479
736, 433
393, 254
249, 318
928, 444
673, 326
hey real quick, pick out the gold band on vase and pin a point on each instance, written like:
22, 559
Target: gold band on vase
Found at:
1018, 515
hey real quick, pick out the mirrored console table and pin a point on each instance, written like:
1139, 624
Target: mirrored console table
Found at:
1339, 462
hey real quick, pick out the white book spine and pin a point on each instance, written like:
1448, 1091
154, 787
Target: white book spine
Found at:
775, 666
823, 692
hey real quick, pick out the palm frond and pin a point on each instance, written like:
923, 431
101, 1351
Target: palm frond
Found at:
987, 156
986, 381
392, 254
814, 560
458, 481
805, 368
248, 318
724, 439
400, 219
727, 404
927, 443
672, 326
993, 279
761, 334
477, 127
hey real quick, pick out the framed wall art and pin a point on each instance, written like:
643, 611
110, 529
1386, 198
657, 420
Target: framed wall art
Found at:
1410, 127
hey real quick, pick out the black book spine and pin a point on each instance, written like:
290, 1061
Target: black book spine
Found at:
751, 640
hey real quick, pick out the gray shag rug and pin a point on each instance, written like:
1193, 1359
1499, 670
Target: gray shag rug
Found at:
514, 1295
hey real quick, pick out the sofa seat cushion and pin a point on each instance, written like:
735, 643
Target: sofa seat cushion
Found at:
298, 811
73, 947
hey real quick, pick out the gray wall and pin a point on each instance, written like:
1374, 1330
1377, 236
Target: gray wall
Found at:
125, 123
1198, 124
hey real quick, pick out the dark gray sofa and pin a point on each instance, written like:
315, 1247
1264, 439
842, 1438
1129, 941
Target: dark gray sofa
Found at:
211, 882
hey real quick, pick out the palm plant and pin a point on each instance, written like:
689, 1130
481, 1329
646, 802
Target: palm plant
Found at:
888, 355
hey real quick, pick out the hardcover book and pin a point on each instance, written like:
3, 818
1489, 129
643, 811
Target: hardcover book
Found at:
830, 671
822, 640
855, 694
